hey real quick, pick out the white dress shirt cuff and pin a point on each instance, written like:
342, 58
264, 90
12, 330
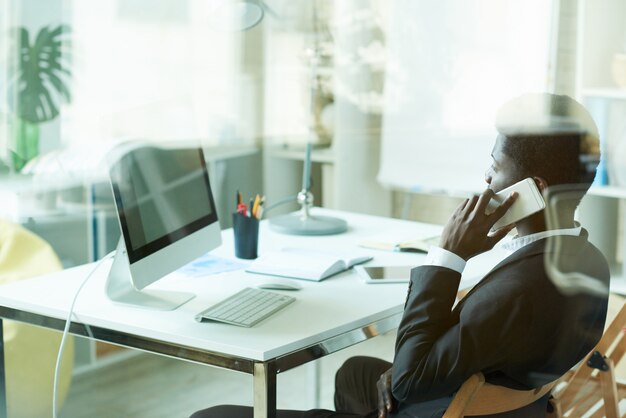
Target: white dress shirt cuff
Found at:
437, 256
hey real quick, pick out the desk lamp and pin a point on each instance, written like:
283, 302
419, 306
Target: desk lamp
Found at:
240, 15
303, 223
244, 15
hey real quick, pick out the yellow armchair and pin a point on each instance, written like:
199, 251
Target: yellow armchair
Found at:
30, 352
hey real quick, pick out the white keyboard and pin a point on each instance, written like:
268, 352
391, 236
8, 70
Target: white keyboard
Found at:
246, 308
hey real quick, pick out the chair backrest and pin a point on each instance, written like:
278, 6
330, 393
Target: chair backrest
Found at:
586, 385
476, 397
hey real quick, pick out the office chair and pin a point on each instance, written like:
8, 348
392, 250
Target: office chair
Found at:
30, 352
476, 397
593, 381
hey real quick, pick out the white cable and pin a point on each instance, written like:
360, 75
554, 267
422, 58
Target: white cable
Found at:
66, 332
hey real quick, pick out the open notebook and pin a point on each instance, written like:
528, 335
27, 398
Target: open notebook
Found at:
402, 242
306, 264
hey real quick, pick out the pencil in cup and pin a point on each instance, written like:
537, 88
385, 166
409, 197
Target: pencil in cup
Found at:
258, 212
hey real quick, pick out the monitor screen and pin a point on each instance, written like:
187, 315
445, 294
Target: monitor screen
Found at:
162, 196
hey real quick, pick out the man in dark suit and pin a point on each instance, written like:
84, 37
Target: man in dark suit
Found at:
525, 323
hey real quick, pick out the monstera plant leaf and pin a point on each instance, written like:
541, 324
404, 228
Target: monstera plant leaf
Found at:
42, 74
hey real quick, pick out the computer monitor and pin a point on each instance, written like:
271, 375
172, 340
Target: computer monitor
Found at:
167, 218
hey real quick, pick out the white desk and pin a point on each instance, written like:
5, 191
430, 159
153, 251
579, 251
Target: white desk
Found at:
326, 317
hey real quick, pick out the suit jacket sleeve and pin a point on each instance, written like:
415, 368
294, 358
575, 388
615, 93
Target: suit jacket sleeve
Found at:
437, 349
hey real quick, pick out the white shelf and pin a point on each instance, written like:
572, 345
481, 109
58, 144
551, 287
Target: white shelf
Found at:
613, 93
617, 192
321, 155
224, 152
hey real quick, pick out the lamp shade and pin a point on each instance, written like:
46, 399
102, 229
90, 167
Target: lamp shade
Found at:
238, 15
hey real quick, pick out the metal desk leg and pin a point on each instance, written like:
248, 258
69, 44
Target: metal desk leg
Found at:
315, 382
264, 390
3, 386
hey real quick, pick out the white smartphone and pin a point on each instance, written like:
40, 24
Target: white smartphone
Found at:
529, 201
384, 274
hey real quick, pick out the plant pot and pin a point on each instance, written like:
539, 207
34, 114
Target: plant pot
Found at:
26, 146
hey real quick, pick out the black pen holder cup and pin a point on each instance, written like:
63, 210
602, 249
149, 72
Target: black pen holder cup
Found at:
246, 230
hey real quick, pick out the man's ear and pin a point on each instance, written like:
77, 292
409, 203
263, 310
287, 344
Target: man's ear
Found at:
541, 183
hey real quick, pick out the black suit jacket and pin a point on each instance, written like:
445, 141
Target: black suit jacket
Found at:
515, 326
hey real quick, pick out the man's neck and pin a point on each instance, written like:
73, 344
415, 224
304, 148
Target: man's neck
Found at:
537, 223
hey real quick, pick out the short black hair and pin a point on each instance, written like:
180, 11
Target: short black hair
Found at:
557, 158
550, 136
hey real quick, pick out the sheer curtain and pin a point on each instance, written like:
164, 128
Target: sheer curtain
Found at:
450, 65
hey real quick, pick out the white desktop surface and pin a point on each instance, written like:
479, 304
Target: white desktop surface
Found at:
327, 316
322, 309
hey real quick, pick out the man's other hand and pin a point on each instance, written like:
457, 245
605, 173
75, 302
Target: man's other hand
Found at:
386, 403
468, 232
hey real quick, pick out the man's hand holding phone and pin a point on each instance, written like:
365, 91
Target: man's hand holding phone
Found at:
469, 230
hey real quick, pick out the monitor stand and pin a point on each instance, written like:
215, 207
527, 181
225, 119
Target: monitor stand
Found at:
120, 289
